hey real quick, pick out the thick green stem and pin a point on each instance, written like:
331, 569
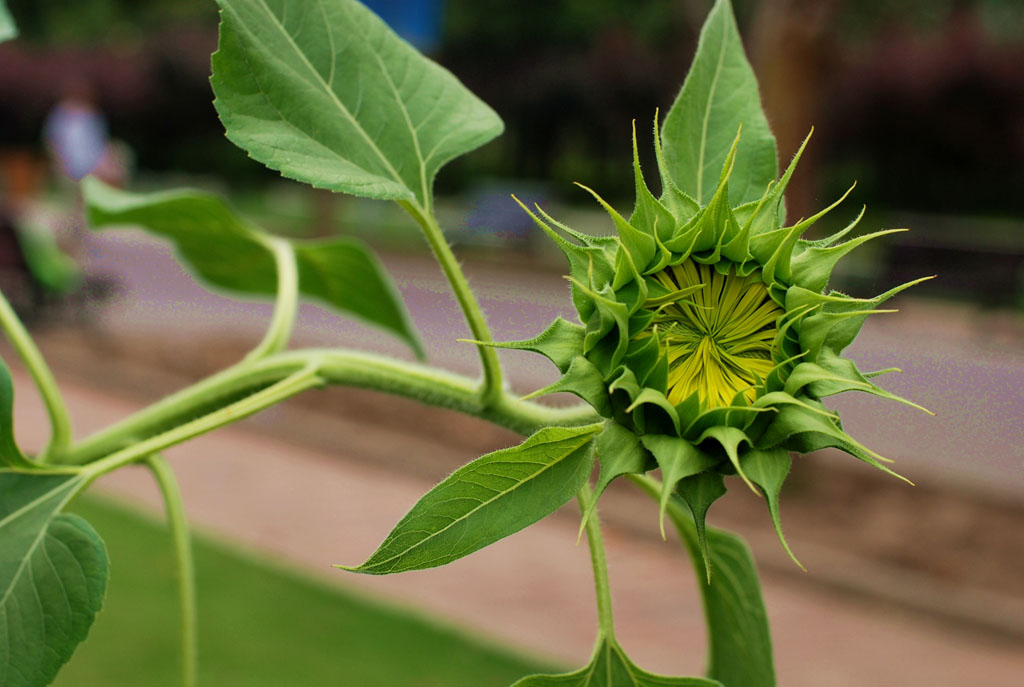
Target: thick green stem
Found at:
178, 524
492, 387
365, 370
298, 382
22, 341
280, 331
605, 622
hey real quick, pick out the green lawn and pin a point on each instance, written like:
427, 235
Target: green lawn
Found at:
260, 626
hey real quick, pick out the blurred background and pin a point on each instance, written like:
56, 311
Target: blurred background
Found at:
921, 102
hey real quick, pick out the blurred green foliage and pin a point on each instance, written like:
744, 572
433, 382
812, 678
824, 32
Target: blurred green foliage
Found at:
104, 21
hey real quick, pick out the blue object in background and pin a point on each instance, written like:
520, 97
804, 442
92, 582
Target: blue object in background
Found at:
417, 21
77, 133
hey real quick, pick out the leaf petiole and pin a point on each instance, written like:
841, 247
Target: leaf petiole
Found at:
30, 354
492, 387
286, 306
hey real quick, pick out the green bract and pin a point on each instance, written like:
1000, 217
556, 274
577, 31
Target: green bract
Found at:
708, 338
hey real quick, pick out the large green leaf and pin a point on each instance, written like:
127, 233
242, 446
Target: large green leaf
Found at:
740, 641
720, 94
53, 576
324, 92
7, 28
227, 252
610, 667
490, 498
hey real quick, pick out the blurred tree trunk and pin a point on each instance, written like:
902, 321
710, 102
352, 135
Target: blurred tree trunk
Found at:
793, 50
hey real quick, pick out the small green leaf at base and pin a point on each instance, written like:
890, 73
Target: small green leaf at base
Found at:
53, 576
610, 667
490, 498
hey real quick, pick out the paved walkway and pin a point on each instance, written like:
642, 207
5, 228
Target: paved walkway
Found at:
532, 590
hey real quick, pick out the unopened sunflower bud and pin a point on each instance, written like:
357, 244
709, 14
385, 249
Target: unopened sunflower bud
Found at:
707, 339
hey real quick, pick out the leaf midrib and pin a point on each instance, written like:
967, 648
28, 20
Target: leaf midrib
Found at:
334, 96
707, 114
71, 484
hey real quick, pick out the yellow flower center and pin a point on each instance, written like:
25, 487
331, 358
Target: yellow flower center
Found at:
718, 338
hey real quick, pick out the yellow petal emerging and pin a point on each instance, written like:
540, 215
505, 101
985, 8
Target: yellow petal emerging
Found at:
718, 339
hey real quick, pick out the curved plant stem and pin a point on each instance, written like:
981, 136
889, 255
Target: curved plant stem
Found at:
492, 385
301, 380
365, 370
605, 622
280, 331
178, 524
22, 341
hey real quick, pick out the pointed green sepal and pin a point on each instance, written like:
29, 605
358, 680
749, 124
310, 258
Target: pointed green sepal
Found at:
639, 244
560, 343
778, 268
799, 428
771, 214
768, 469
649, 215
679, 203
588, 264
730, 439
833, 375
619, 452
699, 492
813, 267
677, 459
584, 380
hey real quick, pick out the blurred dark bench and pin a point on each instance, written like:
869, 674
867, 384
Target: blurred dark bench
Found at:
980, 260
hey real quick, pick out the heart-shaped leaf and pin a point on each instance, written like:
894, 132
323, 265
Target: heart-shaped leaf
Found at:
719, 95
324, 92
228, 252
53, 576
486, 500
610, 667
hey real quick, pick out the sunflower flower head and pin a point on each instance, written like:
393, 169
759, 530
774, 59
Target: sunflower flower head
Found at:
707, 338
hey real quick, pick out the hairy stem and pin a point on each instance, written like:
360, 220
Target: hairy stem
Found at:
349, 368
60, 420
303, 379
492, 387
605, 622
178, 524
280, 331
